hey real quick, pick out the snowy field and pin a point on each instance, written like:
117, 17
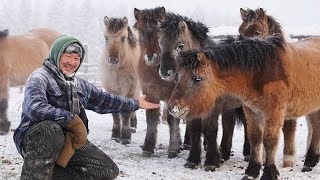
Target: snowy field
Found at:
133, 166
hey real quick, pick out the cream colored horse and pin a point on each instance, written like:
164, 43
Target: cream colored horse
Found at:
19, 56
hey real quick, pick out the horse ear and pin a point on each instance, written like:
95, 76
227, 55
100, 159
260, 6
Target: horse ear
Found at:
182, 26
261, 13
243, 14
200, 56
136, 13
162, 14
125, 20
105, 20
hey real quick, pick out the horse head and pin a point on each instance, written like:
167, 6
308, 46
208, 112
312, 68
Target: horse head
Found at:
148, 26
119, 38
254, 23
177, 34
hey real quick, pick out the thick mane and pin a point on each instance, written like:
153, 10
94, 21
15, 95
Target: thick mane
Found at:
274, 27
170, 27
116, 24
248, 54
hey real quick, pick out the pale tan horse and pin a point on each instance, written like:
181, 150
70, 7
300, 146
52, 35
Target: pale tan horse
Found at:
19, 56
118, 72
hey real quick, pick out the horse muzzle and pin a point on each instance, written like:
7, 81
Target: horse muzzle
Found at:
177, 112
113, 60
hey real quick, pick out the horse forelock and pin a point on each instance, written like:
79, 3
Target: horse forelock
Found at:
150, 17
248, 54
115, 25
188, 59
169, 27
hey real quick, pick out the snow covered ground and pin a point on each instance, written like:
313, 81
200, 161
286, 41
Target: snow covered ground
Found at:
159, 167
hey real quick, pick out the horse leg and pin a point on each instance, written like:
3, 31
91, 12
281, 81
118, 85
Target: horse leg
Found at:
116, 127
4, 123
289, 129
194, 158
255, 132
228, 123
313, 153
133, 122
246, 144
175, 138
273, 124
125, 130
152, 117
210, 130
186, 142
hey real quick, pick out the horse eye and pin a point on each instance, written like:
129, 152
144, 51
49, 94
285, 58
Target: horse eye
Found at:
106, 38
196, 80
123, 38
180, 46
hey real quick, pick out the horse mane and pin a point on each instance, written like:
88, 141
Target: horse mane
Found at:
149, 16
116, 24
248, 54
170, 27
274, 26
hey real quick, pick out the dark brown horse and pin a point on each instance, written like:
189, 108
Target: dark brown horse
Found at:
19, 56
258, 23
118, 67
152, 85
272, 79
179, 33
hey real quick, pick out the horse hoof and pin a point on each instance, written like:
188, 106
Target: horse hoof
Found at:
287, 164
246, 158
246, 177
146, 154
133, 130
210, 168
5, 128
306, 169
172, 154
126, 141
118, 140
191, 165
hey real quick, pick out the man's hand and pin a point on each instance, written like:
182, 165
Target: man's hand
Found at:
78, 132
143, 104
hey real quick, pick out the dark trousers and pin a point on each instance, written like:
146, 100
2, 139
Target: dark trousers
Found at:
41, 147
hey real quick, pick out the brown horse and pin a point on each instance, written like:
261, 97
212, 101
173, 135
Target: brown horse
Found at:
270, 76
152, 85
258, 23
20, 55
179, 33
118, 68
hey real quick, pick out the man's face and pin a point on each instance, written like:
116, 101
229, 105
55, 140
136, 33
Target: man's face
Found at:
69, 63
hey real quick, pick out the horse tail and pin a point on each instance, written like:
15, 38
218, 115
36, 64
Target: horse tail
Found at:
240, 117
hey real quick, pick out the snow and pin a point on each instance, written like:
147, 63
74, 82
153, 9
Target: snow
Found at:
83, 19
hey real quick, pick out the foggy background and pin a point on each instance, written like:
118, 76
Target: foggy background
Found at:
84, 18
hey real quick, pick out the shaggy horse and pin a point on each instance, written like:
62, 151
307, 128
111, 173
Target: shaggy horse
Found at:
270, 76
20, 55
179, 33
118, 72
258, 23
155, 88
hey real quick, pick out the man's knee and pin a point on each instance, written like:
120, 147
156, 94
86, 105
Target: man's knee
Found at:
46, 137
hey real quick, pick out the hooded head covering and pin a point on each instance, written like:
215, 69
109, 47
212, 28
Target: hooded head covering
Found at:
65, 44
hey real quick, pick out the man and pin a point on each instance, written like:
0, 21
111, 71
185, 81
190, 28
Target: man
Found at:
52, 135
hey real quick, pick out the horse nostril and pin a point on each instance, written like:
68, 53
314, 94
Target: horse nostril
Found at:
170, 73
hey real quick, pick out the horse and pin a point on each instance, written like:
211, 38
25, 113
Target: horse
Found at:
272, 79
20, 55
258, 23
118, 72
155, 88
179, 33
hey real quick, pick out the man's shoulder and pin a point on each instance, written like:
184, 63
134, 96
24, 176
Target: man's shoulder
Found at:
39, 74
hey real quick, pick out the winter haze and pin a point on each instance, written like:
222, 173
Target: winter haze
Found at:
84, 19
